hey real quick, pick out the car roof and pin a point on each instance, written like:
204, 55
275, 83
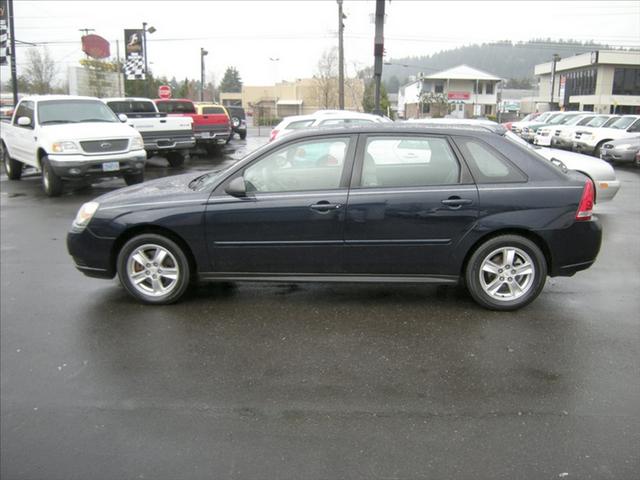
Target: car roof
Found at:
126, 99
328, 115
41, 98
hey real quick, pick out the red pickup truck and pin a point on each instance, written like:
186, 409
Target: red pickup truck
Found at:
209, 129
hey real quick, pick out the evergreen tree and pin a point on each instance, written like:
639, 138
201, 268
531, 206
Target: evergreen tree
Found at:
231, 82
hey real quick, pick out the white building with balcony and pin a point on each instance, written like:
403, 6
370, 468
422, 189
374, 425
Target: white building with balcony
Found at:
461, 91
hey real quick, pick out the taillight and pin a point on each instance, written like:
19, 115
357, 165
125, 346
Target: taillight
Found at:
586, 202
274, 134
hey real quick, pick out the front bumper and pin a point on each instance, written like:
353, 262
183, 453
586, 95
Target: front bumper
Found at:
82, 166
618, 155
543, 141
606, 189
91, 254
582, 147
561, 142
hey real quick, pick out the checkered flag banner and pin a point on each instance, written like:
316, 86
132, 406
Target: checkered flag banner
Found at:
134, 57
4, 32
134, 67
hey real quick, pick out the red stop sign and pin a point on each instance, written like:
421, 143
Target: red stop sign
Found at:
164, 91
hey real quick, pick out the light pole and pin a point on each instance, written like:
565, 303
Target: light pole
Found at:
275, 61
203, 53
556, 57
144, 46
341, 16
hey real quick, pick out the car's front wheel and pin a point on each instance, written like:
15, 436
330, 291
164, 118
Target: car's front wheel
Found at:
506, 272
153, 269
51, 183
133, 178
175, 159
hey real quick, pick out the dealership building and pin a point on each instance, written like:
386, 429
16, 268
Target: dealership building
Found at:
461, 91
604, 81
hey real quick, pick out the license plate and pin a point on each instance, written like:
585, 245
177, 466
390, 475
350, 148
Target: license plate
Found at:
206, 135
111, 166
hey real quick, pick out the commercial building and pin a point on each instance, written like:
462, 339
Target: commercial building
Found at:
462, 92
296, 98
604, 81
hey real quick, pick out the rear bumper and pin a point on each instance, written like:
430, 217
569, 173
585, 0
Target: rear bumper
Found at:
575, 248
91, 254
159, 145
80, 166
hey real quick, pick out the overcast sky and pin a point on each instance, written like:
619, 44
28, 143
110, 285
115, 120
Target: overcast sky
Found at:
248, 34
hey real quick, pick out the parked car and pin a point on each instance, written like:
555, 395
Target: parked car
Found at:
518, 124
238, 121
600, 172
324, 118
70, 138
546, 135
624, 150
482, 210
553, 121
624, 127
528, 132
517, 127
210, 129
564, 140
169, 137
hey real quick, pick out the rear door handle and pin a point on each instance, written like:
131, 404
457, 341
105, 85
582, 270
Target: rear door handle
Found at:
455, 202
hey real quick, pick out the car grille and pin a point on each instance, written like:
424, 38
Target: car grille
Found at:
557, 133
105, 146
211, 128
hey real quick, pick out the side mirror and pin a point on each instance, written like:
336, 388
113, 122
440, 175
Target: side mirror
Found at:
24, 121
123, 118
237, 187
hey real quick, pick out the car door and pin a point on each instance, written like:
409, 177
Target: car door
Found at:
412, 199
23, 137
292, 219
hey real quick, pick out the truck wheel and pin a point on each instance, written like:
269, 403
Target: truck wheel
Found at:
11, 166
133, 178
175, 159
51, 183
243, 135
212, 148
506, 272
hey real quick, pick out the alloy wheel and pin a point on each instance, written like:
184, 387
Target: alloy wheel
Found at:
153, 270
507, 273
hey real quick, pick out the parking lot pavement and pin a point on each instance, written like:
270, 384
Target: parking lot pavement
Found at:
284, 381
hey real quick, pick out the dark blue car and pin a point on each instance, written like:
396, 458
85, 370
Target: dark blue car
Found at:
380, 203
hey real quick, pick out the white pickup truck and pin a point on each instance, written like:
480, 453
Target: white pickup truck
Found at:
165, 136
70, 138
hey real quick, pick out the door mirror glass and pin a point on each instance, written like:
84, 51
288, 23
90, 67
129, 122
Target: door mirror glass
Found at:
123, 118
24, 121
237, 187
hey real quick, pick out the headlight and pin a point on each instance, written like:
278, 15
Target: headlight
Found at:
85, 214
59, 147
137, 143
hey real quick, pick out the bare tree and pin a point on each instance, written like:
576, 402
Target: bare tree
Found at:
40, 70
326, 79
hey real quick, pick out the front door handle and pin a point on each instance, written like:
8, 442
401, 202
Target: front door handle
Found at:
325, 207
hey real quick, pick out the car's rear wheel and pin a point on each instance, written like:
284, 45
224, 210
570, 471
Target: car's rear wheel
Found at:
11, 166
153, 269
175, 159
243, 135
51, 183
506, 272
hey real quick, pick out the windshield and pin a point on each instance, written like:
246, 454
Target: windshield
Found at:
622, 123
74, 111
597, 121
543, 118
555, 118
574, 120
213, 110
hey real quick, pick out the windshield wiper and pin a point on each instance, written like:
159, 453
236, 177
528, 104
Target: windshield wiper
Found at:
47, 122
86, 120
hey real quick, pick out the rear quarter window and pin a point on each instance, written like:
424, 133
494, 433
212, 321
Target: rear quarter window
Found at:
299, 124
487, 165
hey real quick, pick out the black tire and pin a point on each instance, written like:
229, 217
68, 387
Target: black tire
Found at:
129, 267
504, 298
133, 178
242, 135
212, 148
175, 159
596, 151
12, 167
51, 183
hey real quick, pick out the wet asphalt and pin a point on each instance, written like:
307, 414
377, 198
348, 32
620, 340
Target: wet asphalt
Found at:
286, 381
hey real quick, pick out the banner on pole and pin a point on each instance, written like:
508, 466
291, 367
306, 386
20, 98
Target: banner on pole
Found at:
134, 55
4, 31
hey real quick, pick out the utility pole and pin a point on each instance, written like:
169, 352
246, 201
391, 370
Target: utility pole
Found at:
12, 45
341, 17
378, 52
146, 62
203, 53
556, 57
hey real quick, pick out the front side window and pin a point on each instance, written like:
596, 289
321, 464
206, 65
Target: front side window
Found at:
408, 162
623, 123
635, 127
25, 109
487, 166
74, 111
310, 165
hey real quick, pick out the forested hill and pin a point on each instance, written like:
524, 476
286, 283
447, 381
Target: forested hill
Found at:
504, 59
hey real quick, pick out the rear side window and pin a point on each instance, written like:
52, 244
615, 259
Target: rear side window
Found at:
213, 110
131, 106
487, 165
299, 124
408, 161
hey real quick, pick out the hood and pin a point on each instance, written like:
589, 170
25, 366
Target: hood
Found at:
162, 189
580, 162
88, 131
635, 141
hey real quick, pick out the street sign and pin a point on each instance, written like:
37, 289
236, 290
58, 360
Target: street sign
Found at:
164, 91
